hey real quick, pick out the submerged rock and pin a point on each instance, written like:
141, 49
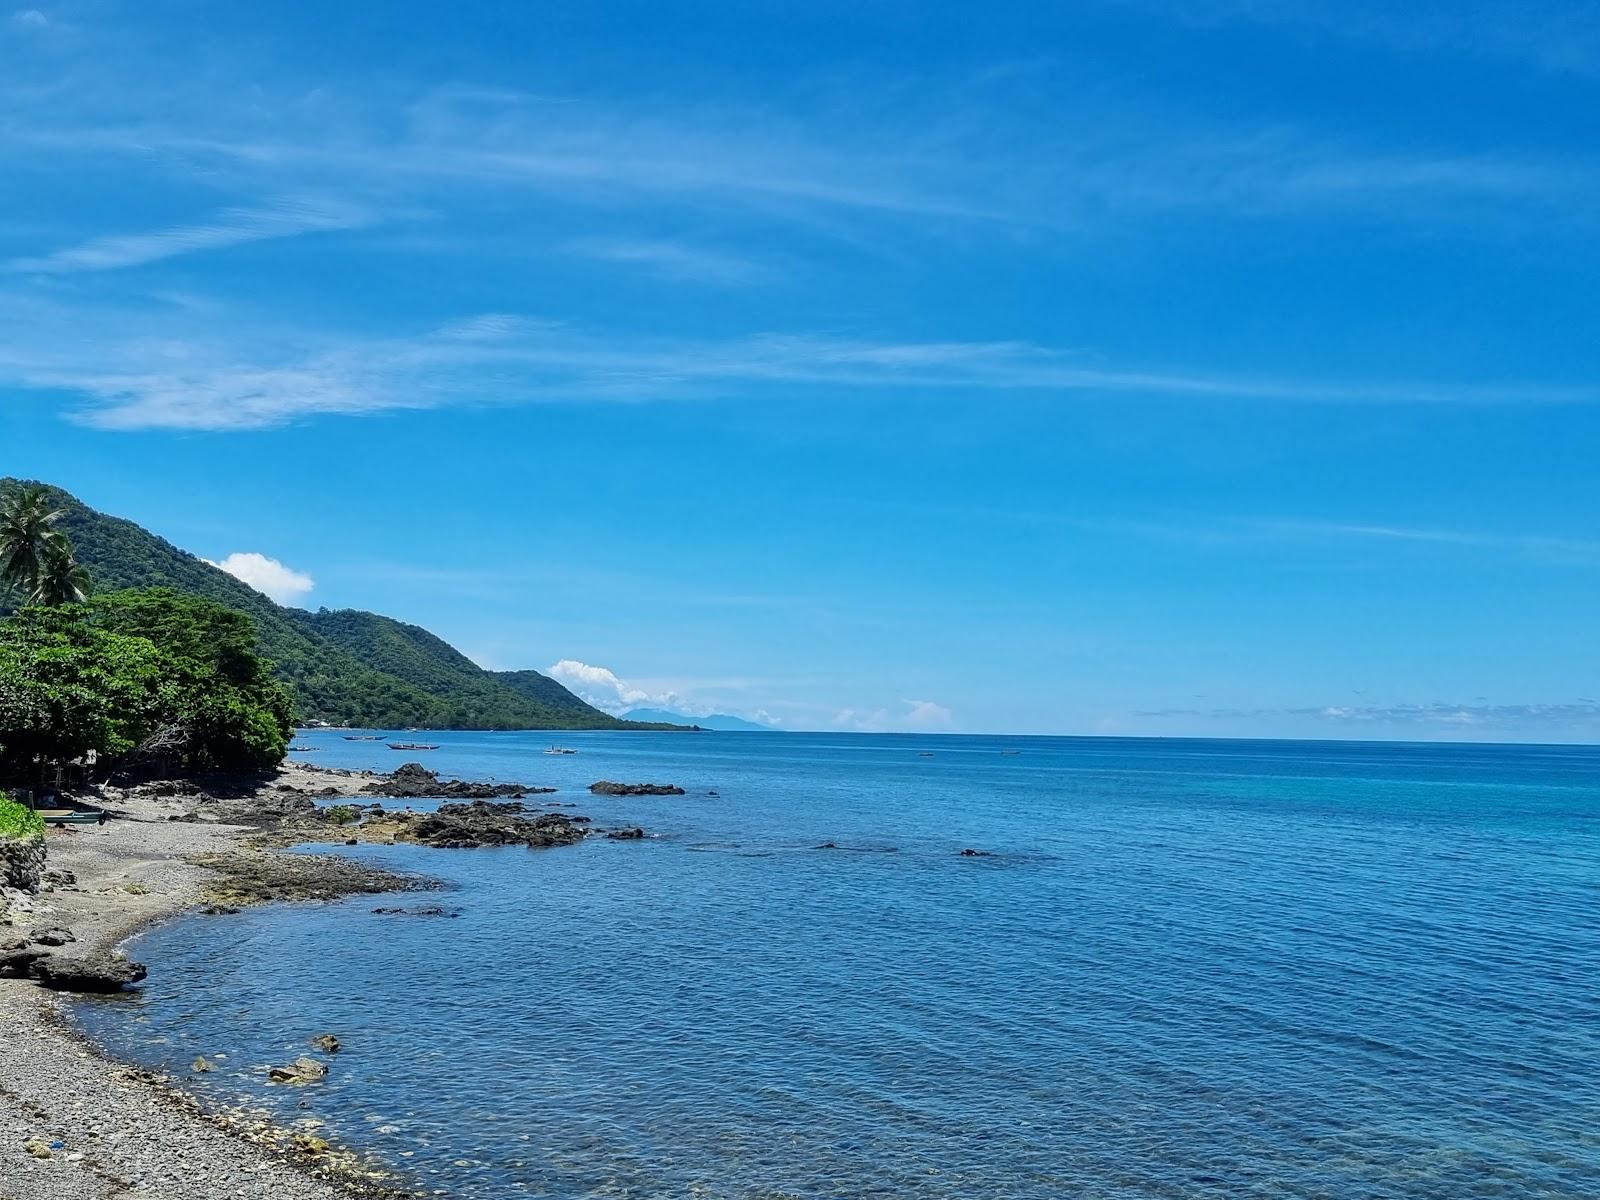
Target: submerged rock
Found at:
626, 835
326, 1042
298, 1073
607, 788
86, 972
425, 910
971, 853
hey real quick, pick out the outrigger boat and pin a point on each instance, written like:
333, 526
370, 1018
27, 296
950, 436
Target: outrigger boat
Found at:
561, 750
362, 737
411, 746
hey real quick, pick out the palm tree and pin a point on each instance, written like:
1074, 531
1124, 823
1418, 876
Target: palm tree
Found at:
61, 579
36, 557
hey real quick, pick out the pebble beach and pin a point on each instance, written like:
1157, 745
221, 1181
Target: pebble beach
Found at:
76, 1125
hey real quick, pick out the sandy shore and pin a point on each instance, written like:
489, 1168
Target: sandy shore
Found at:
75, 1125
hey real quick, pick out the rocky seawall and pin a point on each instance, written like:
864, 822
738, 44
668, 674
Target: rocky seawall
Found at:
21, 863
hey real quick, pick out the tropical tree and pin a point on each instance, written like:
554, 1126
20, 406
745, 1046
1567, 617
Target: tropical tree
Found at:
36, 557
151, 677
61, 579
68, 687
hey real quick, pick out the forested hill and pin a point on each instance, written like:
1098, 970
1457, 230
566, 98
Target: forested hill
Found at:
347, 667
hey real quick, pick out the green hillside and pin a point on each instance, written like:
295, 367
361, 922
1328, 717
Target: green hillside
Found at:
345, 668
481, 699
543, 692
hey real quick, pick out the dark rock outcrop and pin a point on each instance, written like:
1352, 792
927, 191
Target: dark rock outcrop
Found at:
607, 788
17, 958
86, 972
459, 826
267, 809
413, 781
626, 835
245, 877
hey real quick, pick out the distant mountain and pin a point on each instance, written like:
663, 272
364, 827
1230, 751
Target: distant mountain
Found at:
344, 667
718, 721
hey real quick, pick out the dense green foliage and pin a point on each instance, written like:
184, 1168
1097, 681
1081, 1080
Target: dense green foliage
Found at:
17, 821
345, 668
68, 686
152, 674
478, 699
228, 708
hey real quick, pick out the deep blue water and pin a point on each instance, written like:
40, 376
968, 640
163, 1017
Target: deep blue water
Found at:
1190, 969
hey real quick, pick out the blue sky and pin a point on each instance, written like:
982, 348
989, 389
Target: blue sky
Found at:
1204, 367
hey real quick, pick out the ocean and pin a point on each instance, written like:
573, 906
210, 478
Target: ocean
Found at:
1177, 969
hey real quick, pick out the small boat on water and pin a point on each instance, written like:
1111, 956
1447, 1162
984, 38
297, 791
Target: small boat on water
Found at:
304, 749
561, 750
362, 737
412, 746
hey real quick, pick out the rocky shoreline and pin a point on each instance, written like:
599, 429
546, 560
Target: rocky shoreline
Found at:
77, 1125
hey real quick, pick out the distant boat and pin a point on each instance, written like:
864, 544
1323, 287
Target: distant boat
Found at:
363, 737
411, 746
561, 750
303, 749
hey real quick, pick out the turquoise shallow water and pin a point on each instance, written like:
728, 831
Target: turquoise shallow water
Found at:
1189, 969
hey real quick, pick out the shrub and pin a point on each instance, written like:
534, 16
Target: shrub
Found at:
17, 821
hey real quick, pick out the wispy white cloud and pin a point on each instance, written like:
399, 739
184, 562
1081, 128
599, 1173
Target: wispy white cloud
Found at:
1541, 546
141, 386
988, 160
1553, 35
268, 576
606, 690
917, 716
1438, 716
927, 716
30, 18
234, 227
672, 260
152, 382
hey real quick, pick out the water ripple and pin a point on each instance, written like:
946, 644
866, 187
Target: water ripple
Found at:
1187, 970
